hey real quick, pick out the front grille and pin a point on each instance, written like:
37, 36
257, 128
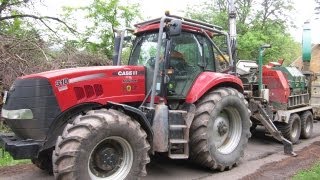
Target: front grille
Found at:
37, 95
79, 93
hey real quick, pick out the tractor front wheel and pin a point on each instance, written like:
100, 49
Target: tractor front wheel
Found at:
103, 144
220, 130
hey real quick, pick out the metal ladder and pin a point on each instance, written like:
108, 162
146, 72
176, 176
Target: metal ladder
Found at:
178, 134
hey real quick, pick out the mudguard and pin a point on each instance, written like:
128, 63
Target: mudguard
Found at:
209, 80
139, 116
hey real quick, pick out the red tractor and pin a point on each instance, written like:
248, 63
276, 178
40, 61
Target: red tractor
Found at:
104, 122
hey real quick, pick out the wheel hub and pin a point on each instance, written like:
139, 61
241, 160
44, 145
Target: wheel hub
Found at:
294, 131
223, 128
227, 130
112, 158
107, 158
308, 124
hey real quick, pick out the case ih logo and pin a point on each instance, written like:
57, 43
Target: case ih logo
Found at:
128, 73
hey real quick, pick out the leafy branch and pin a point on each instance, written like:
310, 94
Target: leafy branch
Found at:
41, 19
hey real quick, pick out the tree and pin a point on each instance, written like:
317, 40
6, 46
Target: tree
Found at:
277, 11
283, 46
258, 22
11, 13
23, 48
103, 18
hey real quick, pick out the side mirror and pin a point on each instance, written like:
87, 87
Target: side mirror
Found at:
175, 27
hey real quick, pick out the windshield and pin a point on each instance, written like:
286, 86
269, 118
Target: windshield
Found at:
144, 54
145, 50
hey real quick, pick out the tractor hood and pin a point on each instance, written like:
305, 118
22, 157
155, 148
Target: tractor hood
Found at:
82, 70
99, 84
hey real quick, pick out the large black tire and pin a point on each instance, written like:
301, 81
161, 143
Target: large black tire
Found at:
44, 161
103, 144
221, 116
292, 129
306, 125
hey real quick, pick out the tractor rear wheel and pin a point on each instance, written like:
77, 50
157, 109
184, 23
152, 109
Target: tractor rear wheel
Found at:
103, 144
220, 130
292, 129
306, 125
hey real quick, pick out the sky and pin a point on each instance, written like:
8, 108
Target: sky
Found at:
156, 8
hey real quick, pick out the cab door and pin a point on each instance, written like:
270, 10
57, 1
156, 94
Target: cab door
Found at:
190, 55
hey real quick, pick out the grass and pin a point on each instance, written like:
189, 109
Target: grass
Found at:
5, 158
309, 174
4, 128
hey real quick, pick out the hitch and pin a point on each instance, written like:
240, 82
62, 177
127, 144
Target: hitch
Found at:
266, 121
288, 147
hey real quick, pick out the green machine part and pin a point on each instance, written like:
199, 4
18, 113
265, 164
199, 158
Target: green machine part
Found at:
306, 42
297, 81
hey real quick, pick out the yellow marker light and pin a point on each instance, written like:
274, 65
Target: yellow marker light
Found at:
129, 88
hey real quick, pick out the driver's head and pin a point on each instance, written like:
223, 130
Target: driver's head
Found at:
177, 55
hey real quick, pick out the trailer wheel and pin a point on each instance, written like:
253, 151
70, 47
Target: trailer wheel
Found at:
292, 129
103, 144
220, 130
306, 125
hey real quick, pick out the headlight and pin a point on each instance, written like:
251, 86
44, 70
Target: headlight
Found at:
17, 114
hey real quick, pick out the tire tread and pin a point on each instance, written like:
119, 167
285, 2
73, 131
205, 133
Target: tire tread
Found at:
94, 120
199, 147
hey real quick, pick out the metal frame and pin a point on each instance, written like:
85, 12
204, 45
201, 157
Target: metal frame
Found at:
199, 24
121, 33
284, 115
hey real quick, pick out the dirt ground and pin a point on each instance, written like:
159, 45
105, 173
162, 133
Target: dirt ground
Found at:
264, 159
283, 169
10, 170
287, 167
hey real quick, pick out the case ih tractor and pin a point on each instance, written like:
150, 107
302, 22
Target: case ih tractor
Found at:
174, 98
104, 122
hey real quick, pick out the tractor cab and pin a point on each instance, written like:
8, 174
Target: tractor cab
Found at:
181, 50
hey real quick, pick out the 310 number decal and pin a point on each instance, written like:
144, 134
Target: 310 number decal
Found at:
62, 82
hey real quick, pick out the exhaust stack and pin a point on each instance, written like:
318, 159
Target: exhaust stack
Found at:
306, 46
233, 33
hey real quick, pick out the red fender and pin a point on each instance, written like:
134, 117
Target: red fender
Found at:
207, 80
